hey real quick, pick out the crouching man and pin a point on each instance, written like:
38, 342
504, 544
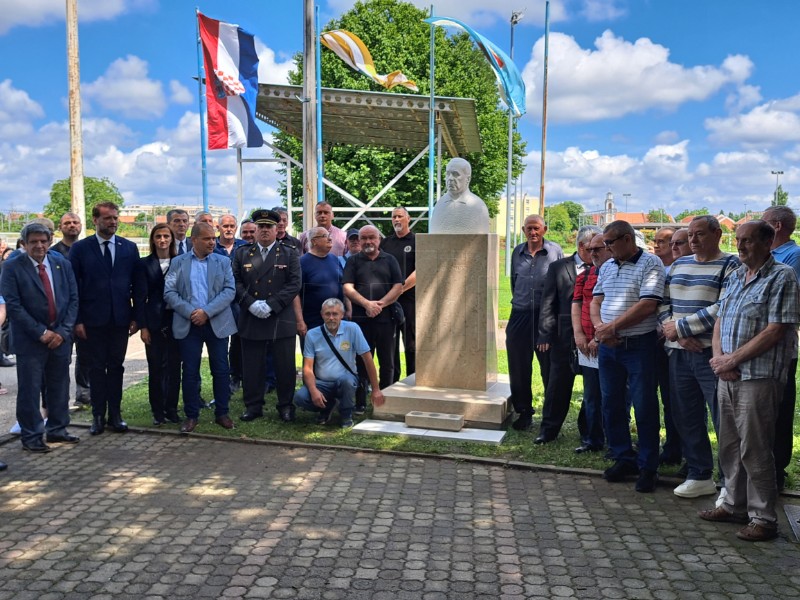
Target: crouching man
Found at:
329, 366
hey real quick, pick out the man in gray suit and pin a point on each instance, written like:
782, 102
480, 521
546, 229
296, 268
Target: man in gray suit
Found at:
199, 288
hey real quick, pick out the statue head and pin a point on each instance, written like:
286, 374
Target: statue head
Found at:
457, 177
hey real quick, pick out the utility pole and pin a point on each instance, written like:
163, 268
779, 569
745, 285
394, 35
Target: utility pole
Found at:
511, 209
777, 185
75, 132
626, 196
310, 173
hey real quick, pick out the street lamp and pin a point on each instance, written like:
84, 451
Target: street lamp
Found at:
516, 17
626, 196
777, 185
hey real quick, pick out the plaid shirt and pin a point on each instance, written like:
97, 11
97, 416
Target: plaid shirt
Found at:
746, 308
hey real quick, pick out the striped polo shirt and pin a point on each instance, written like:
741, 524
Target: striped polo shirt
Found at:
622, 285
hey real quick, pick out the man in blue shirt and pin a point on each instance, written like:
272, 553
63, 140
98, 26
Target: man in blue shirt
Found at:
328, 382
785, 250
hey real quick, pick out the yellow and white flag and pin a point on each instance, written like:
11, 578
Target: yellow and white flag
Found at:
352, 50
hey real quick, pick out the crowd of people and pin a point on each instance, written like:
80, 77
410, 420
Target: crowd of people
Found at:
713, 332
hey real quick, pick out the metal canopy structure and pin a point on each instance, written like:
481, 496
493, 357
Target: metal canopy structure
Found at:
394, 121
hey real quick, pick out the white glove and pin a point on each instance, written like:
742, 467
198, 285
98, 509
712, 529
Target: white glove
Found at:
260, 309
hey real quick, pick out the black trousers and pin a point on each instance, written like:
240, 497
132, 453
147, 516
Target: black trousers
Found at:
558, 391
254, 371
106, 347
409, 332
235, 357
672, 444
784, 426
380, 337
521, 333
164, 380
81, 368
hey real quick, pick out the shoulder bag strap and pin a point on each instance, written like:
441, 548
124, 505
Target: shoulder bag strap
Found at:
335, 352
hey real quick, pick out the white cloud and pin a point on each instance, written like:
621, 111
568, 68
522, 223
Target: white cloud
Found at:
744, 97
601, 10
667, 137
619, 78
769, 124
33, 13
125, 89
179, 93
17, 111
271, 70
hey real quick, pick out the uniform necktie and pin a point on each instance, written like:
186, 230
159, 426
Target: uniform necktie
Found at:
48, 291
107, 254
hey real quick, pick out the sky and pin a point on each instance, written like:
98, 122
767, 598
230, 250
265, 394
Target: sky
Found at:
680, 104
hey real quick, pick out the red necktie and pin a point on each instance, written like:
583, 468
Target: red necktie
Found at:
48, 291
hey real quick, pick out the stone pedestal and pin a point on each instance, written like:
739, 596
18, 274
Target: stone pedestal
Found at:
456, 304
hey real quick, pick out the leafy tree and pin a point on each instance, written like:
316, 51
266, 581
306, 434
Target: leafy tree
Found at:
657, 215
575, 211
691, 212
95, 191
557, 218
398, 39
781, 197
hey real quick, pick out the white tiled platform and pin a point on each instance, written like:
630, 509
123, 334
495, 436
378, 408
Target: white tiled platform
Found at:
374, 427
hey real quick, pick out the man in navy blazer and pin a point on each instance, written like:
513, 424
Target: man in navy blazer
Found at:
199, 288
103, 266
42, 302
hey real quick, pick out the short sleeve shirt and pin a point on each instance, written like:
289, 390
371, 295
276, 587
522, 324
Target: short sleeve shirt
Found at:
404, 251
348, 341
622, 285
372, 279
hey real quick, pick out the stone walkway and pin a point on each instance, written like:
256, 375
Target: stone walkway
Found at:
163, 516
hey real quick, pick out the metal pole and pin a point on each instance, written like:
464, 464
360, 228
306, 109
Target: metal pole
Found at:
515, 18
78, 201
431, 119
544, 104
310, 174
202, 99
239, 186
777, 184
318, 61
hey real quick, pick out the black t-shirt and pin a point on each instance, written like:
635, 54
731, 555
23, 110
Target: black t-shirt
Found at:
404, 251
62, 249
372, 279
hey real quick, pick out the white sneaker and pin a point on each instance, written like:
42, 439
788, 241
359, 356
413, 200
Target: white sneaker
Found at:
15, 429
694, 488
723, 493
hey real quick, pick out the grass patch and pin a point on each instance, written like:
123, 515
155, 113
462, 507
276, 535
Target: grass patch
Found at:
517, 446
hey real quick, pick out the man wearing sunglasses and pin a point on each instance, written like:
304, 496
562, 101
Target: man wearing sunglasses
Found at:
625, 299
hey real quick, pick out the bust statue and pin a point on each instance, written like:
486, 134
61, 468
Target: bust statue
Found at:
459, 210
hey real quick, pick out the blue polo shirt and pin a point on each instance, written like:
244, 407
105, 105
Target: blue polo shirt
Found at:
789, 254
348, 341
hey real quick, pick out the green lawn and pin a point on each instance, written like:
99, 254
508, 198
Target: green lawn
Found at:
516, 446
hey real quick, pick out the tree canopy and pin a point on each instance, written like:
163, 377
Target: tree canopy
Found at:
397, 38
781, 197
95, 191
557, 218
691, 212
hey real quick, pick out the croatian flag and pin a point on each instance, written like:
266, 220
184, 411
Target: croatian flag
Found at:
231, 65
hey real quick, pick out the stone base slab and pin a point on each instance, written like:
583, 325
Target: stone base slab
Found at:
481, 436
434, 420
483, 410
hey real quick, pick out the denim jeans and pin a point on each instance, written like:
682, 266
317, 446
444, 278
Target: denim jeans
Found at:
632, 363
694, 388
344, 390
593, 408
191, 348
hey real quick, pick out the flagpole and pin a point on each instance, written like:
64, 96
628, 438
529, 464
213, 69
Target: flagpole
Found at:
320, 171
78, 199
431, 119
202, 99
544, 104
310, 174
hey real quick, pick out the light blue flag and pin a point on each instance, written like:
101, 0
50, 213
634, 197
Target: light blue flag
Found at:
512, 88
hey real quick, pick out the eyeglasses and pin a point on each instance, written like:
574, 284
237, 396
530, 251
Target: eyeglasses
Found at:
679, 243
609, 243
596, 248
319, 237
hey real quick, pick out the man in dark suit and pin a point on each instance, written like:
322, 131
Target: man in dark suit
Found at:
268, 278
42, 302
555, 333
103, 266
178, 221
199, 288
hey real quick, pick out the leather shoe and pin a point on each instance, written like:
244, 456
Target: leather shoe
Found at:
98, 426
119, 426
3, 466
755, 532
587, 448
188, 425
224, 421
173, 418
37, 448
250, 416
542, 439
65, 439
287, 414
6, 362
523, 423
721, 515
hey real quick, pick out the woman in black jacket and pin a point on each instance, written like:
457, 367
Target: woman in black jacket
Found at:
155, 325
